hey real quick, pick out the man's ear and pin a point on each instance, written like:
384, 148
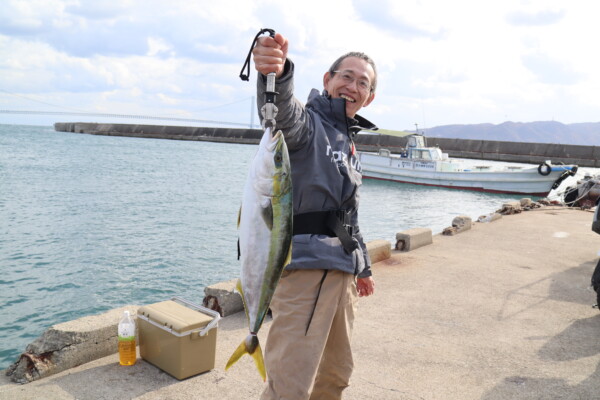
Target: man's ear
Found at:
326, 79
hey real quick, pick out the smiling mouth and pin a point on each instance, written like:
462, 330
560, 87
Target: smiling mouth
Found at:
347, 98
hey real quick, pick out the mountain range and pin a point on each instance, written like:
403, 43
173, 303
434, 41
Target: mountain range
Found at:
585, 134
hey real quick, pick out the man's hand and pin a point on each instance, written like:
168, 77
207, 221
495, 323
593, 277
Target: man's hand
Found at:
365, 286
270, 54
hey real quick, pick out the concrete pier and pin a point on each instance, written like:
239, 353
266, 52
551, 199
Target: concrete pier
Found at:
500, 311
533, 153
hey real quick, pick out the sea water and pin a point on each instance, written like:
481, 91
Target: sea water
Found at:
90, 223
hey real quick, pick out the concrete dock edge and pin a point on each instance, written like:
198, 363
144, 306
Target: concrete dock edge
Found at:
414, 238
501, 311
67, 345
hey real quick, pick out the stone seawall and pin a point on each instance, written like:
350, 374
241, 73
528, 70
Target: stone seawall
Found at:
534, 153
227, 135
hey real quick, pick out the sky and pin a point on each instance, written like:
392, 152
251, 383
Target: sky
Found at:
439, 62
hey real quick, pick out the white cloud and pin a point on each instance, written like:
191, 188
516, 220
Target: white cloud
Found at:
439, 62
158, 46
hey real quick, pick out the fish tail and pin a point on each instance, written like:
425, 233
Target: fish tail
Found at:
260, 362
250, 346
237, 354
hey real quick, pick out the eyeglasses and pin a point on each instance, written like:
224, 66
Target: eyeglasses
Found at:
349, 78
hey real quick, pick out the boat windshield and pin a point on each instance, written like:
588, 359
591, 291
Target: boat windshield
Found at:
423, 154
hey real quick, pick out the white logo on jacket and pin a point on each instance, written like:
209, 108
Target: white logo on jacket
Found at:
341, 159
338, 157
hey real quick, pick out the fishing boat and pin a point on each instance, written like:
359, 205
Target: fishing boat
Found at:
429, 166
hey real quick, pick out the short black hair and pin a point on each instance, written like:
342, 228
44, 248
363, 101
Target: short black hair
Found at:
336, 65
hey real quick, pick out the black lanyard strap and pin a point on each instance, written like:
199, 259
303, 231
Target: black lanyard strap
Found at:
246, 77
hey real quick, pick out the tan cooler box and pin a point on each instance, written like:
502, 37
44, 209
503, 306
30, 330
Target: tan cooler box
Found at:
178, 337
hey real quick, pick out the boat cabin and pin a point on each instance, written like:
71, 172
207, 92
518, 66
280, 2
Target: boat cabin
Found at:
416, 148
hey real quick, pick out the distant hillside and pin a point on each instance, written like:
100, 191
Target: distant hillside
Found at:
586, 134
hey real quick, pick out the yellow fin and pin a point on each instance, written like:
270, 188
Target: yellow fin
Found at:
260, 363
242, 349
267, 215
239, 289
237, 354
288, 258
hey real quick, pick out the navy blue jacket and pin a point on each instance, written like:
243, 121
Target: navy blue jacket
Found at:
326, 173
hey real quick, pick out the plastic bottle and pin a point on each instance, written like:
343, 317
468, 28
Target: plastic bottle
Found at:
127, 353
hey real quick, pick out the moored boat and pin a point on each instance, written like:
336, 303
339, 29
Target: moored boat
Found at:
419, 164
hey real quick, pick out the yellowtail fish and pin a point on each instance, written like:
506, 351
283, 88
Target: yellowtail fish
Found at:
265, 236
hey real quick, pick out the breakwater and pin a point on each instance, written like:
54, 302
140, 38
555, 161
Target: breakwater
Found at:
534, 153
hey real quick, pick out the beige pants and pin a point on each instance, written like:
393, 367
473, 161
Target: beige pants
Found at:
309, 357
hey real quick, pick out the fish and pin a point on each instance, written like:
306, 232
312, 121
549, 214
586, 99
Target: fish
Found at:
265, 237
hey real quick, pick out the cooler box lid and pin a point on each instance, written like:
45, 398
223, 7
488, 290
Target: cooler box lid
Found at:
174, 317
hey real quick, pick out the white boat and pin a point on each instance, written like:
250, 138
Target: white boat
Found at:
424, 165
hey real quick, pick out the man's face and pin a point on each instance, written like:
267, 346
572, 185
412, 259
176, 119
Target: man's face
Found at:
352, 82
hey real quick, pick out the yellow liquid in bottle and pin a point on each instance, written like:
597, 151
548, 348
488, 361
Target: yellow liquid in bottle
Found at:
127, 354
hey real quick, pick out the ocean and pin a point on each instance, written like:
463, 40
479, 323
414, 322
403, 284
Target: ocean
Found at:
89, 223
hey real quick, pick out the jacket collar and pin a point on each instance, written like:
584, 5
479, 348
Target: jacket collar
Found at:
359, 123
337, 107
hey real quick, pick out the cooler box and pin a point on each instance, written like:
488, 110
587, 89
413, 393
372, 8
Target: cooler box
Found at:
178, 337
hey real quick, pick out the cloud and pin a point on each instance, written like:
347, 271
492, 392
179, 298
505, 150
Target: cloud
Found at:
100, 10
436, 62
551, 71
393, 18
157, 46
536, 18
29, 18
89, 28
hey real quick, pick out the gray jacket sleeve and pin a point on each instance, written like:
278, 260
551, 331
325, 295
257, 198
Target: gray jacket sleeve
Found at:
291, 117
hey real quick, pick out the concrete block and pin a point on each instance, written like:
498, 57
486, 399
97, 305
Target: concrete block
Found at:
412, 239
512, 207
489, 217
525, 202
462, 223
459, 224
67, 345
379, 250
224, 298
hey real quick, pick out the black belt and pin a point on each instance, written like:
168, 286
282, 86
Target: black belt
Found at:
335, 223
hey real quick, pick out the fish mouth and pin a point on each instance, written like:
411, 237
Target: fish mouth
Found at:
274, 140
275, 137
347, 98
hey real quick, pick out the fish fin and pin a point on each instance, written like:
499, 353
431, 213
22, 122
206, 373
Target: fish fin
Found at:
260, 362
240, 290
267, 215
252, 341
237, 354
239, 217
288, 258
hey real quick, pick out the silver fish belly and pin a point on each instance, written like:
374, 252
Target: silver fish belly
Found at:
265, 236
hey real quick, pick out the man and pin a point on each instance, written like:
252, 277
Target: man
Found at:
308, 353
